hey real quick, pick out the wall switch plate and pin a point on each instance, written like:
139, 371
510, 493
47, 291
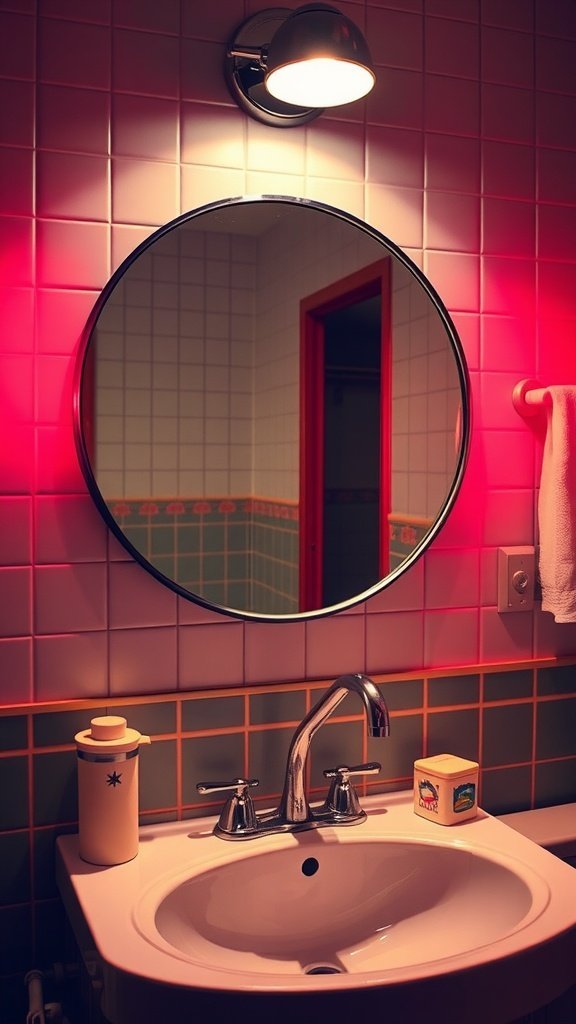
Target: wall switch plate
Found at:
516, 579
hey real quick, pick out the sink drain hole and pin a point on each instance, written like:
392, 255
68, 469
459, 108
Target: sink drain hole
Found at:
323, 969
310, 866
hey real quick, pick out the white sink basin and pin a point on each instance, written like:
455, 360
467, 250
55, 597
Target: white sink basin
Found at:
367, 904
397, 913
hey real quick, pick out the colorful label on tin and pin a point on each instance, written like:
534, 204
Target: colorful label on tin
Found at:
464, 797
428, 796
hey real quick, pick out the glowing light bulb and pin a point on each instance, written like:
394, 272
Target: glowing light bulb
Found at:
320, 82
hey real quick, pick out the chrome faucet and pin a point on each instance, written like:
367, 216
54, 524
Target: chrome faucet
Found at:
238, 819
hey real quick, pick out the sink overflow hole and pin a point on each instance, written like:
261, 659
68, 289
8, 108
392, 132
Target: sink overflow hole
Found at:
310, 867
322, 969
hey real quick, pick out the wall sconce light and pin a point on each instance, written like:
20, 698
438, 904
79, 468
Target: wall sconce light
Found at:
285, 67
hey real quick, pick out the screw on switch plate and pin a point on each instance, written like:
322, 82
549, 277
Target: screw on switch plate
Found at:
516, 578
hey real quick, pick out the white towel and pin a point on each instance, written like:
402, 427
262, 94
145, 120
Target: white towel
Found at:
557, 505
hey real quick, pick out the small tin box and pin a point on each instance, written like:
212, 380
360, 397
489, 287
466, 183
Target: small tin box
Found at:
446, 789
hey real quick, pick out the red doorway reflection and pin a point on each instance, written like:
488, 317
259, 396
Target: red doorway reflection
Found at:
345, 437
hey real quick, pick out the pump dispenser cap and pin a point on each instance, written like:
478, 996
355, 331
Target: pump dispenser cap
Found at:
109, 733
110, 727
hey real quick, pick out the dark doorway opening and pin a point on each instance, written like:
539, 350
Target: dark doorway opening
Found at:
345, 442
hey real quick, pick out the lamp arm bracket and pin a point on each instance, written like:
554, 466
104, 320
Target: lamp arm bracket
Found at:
259, 54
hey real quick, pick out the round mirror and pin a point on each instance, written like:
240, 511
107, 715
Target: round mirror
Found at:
272, 408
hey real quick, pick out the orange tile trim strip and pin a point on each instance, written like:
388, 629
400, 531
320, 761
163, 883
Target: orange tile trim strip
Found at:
279, 687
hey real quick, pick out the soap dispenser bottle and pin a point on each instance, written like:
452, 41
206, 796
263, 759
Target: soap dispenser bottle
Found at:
108, 790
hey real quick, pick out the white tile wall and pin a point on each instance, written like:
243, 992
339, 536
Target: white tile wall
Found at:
114, 117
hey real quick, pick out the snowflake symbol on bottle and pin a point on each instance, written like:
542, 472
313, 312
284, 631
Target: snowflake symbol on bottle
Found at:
114, 779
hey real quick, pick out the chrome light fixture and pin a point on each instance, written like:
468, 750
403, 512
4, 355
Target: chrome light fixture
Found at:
285, 67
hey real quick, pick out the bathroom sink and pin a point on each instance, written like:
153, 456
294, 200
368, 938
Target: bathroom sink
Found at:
390, 916
344, 906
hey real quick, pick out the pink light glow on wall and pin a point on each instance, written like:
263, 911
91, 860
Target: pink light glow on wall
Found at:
113, 119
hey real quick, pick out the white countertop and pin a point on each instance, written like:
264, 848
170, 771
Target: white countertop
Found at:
551, 827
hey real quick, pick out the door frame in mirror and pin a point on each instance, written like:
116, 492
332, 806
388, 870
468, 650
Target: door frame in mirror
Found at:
368, 282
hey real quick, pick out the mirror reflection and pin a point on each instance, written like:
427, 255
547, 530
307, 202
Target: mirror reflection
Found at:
272, 407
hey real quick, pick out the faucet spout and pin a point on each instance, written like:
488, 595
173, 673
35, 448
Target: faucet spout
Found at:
294, 806
239, 820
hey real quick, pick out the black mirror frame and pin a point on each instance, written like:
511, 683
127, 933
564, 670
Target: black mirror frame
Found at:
465, 426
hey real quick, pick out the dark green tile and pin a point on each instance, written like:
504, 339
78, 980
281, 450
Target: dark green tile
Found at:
188, 540
163, 540
213, 568
14, 792
238, 537
55, 788
555, 783
157, 817
189, 568
351, 705
44, 840
15, 873
283, 583
213, 539
453, 690
163, 563
398, 751
213, 592
214, 517
506, 790
403, 695
561, 679
58, 727
238, 595
453, 732
198, 812
162, 517
13, 732
285, 706
157, 782
121, 518
210, 759
240, 514
267, 755
374, 787
212, 713
15, 938
334, 744
507, 735
507, 685
155, 719
555, 729
137, 536
236, 567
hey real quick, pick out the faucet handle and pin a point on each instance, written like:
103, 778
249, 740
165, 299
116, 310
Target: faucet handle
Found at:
343, 772
238, 816
342, 798
240, 785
